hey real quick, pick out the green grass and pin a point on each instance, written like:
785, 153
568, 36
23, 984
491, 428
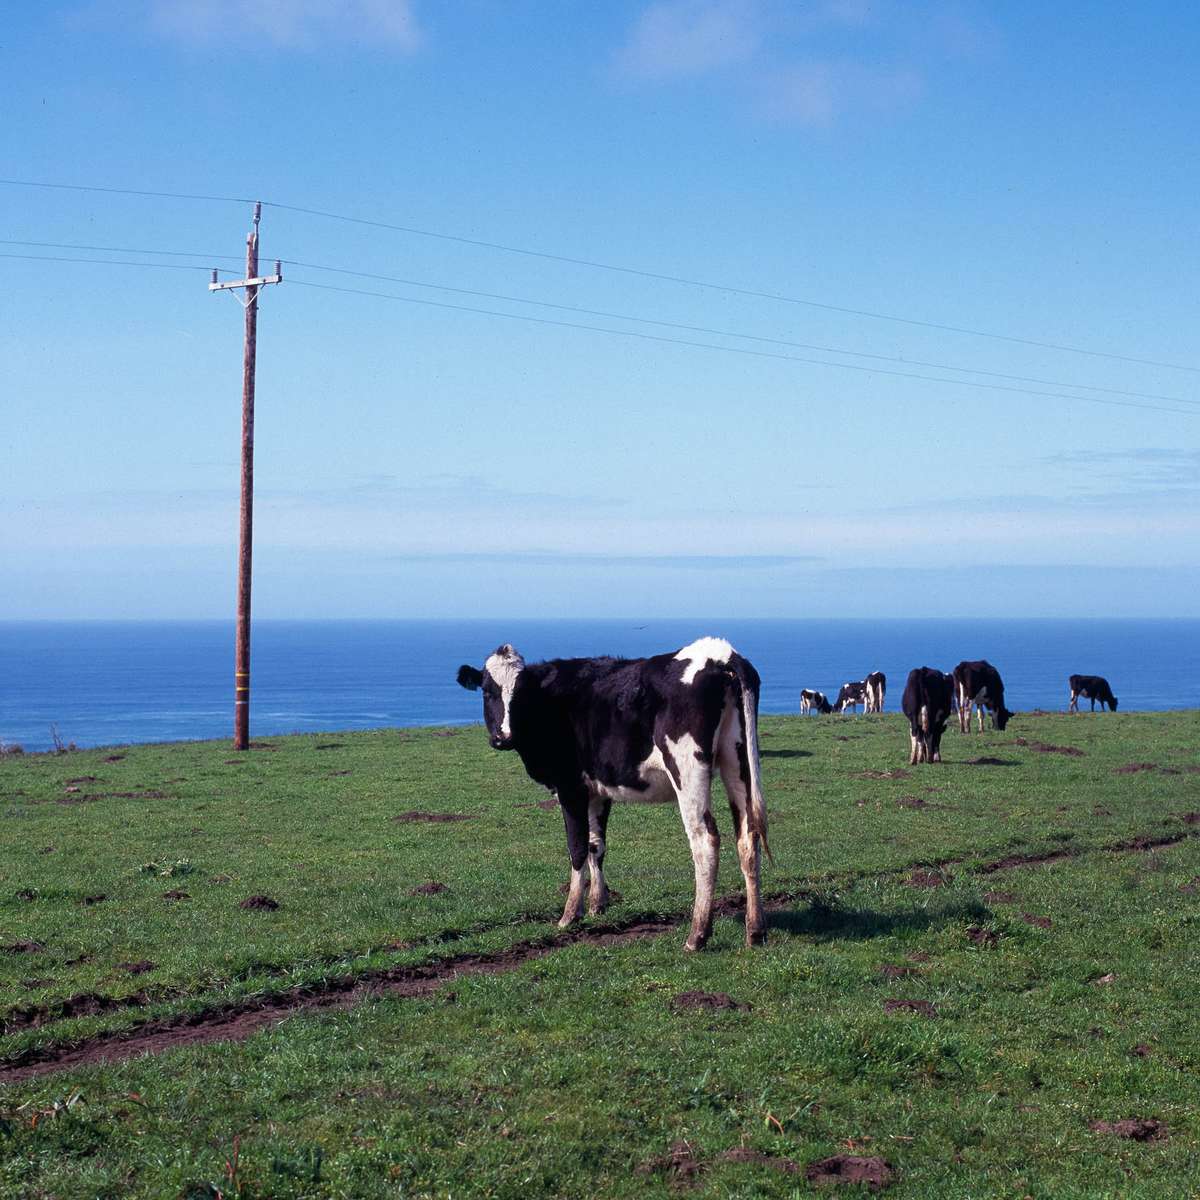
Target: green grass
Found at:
568, 1074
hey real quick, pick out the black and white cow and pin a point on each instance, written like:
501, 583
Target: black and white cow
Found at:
1093, 688
979, 683
876, 687
597, 729
811, 701
926, 703
851, 695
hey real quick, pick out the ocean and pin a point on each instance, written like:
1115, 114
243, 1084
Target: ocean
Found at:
106, 683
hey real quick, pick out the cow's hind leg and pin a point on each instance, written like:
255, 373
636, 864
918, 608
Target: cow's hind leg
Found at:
575, 818
694, 791
735, 773
597, 828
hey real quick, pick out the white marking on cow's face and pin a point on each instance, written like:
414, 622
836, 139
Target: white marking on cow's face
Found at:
701, 652
503, 668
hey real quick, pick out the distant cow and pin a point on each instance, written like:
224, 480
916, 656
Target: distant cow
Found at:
811, 701
979, 683
597, 729
851, 696
1093, 688
926, 703
876, 687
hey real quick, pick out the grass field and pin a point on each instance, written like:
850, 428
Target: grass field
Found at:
951, 1019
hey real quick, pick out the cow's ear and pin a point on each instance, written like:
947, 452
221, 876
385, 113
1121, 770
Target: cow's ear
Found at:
470, 678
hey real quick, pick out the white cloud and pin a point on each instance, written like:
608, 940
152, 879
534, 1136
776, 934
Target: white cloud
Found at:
292, 24
675, 38
816, 93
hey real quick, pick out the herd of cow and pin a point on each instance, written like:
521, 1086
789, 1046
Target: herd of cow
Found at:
930, 696
595, 730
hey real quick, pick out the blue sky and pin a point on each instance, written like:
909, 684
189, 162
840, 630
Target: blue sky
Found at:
1023, 169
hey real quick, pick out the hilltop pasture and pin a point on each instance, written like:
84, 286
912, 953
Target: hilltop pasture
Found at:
328, 967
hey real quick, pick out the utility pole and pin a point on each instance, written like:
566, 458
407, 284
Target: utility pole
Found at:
251, 285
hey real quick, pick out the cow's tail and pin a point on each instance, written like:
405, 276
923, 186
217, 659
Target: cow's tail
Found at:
757, 809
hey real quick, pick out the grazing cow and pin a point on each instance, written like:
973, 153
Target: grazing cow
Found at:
926, 703
810, 701
979, 683
876, 685
597, 729
851, 696
1093, 688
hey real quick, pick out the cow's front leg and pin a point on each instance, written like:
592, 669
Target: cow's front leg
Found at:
575, 817
597, 829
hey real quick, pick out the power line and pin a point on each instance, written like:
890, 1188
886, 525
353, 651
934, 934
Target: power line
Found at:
653, 337
624, 270
116, 262
608, 315
753, 337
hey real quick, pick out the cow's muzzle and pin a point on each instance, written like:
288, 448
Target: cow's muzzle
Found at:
500, 742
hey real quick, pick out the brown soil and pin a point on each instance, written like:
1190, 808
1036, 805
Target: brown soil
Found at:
1192, 887
81, 779
1191, 818
24, 947
137, 968
259, 904
1026, 860
918, 956
713, 1001
987, 760
912, 802
1140, 1129
893, 971
176, 894
26, 894
999, 898
874, 1173
433, 888
680, 1162
113, 758
330, 746
1101, 812
1141, 1050
1046, 748
433, 818
86, 1004
986, 938
1134, 768
923, 1007
337, 774
930, 879
1040, 922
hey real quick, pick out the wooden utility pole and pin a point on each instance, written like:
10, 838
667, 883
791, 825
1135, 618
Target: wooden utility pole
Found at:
251, 284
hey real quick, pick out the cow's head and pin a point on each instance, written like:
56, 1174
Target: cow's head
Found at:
1002, 716
1113, 703
498, 680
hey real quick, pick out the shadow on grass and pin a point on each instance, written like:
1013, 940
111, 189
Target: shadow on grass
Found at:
785, 754
831, 922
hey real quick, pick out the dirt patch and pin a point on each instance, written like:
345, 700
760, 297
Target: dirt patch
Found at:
712, 1001
329, 746
743, 1154
433, 818
86, 1004
176, 894
987, 939
1135, 768
80, 779
137, 968
25, 946
1141, 1050
1145, 842
1034, 919
919, 956
113, 758
895, 773
259, 904
26, 894
874, 1173
1101, 812
895, 971
1046, 748
1140, 1129
1026, 860
912, 802
337, 774
986, 760
928, 879
1191, 887
679, 1162
922, 1007
999, 898
1191, 818
432, 888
